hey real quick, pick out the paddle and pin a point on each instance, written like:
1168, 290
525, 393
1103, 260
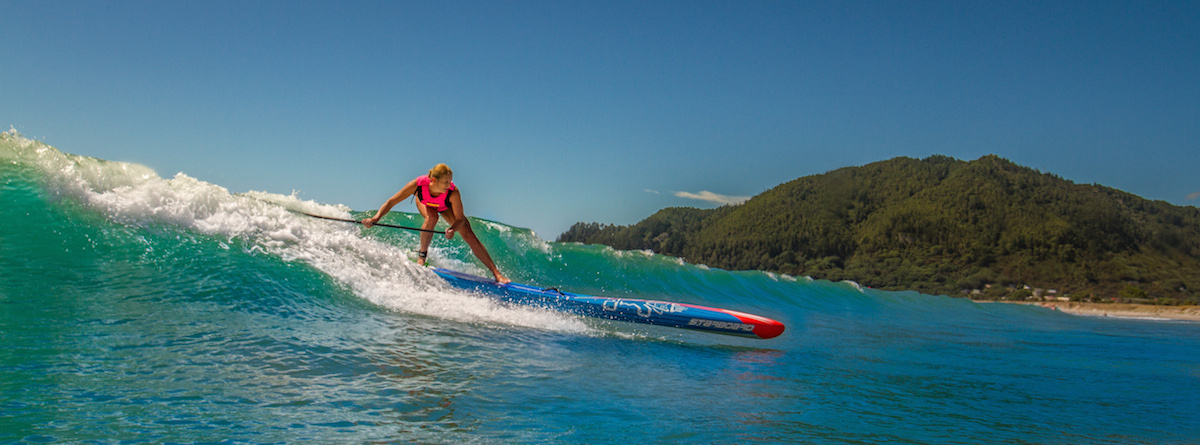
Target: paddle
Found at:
376, 224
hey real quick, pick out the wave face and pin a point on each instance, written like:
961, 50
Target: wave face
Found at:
136, 307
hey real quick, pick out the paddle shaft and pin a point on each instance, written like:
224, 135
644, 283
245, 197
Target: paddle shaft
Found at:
376, 224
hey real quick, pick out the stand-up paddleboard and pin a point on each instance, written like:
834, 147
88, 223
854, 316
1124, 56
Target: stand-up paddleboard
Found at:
662, 313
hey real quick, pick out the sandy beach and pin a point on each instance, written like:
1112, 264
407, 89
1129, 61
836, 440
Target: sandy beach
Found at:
1146, 311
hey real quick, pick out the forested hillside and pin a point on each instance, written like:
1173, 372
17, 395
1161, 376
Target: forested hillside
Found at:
986, 228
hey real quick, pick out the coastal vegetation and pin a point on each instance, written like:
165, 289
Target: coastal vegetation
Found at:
988, 229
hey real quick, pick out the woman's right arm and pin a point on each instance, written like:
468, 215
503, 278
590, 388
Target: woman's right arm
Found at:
408, 189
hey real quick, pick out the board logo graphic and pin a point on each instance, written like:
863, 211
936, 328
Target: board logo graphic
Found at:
645, 309
721, 325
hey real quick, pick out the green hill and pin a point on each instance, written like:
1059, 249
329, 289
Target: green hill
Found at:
987, 228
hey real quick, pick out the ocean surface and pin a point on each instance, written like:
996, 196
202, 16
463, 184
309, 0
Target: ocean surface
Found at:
137, 308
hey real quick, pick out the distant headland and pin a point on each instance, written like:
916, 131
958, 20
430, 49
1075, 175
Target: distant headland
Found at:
986, 229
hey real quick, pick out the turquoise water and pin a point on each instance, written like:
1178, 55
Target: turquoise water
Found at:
135, 308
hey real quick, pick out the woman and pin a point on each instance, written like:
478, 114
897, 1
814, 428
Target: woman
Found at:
437, 195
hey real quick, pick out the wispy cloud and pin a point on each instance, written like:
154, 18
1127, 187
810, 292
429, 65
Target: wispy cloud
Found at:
706, 195
1193, 196
651, 191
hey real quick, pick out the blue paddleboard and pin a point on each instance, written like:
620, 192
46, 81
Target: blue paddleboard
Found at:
662, 313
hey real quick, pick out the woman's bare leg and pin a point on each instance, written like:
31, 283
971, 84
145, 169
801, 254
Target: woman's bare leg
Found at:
431, 220
477, 248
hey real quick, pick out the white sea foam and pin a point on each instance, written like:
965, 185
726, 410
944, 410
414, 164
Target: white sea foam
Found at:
495, 226
855, 285
782, 277
626, 254
379, 272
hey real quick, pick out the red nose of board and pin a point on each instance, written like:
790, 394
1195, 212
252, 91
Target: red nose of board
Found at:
768, 329
764, 327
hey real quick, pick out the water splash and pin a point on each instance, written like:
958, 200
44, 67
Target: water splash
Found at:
380, 272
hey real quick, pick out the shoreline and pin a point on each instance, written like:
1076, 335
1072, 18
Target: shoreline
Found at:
1119, 310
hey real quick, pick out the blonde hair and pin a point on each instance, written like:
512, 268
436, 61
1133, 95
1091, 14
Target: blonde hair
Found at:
439, 170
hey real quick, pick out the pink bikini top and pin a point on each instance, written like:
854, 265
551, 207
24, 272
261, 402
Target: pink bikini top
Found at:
424, 196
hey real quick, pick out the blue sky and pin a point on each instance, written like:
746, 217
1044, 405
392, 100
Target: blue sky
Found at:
557, 112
